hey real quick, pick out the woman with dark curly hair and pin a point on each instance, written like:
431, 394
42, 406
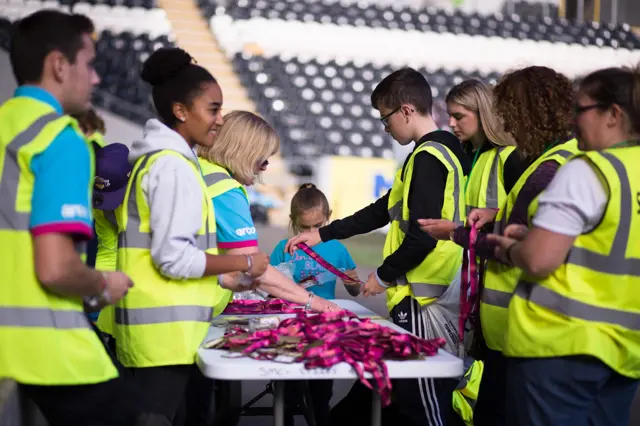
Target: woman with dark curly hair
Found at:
536, 105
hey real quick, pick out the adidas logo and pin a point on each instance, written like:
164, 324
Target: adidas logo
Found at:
402, 317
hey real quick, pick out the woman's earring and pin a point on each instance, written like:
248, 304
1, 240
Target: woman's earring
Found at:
182, 119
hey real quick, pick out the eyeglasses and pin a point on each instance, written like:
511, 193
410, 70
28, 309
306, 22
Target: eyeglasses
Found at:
578, 109
385, 119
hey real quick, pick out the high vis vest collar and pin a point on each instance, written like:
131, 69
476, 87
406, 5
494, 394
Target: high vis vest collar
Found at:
32, 317
592, 296
500, 279
160, 309
431, 278
485, 183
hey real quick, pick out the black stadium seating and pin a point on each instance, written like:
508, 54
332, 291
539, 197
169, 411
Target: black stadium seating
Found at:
324, 108
533, 27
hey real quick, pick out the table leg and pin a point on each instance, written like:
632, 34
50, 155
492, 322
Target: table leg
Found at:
278, 403
376, 408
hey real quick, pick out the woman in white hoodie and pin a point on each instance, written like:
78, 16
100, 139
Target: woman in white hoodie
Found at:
167, 236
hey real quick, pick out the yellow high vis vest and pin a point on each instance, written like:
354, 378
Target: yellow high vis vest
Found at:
107, 232
45, 338
466, 393
500, 280
106, 227
485, 188
98, 139
589, 305
161, 321
429, 279
218, 181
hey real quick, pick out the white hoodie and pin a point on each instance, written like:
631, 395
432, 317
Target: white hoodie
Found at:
174, 196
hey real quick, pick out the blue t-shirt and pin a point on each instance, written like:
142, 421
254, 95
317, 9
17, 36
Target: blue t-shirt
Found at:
332, 251
61, 200
235, 228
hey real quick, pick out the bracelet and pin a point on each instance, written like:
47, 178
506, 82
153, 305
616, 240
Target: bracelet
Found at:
249, 263
308, 305
105, 296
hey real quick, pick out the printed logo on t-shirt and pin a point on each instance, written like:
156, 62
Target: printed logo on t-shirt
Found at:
74, 211
402, 317
241, 232
638, 200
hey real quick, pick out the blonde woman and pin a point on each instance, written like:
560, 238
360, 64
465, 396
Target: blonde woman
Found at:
239, 155
497, 164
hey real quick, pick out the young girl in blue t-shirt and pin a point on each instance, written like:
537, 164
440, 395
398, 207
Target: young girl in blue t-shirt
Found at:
310, 210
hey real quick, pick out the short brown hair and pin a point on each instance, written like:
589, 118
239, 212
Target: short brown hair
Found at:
90, 122
536, 105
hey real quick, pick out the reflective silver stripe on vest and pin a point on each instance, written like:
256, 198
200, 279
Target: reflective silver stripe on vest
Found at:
11, 219
500, 226
213, 178
132, 237
497, 298
456, 181
615, 262
163, 314
572, 308
395, 212
493, 184
42, 317
423, 289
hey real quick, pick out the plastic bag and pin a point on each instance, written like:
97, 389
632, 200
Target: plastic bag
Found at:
441, 318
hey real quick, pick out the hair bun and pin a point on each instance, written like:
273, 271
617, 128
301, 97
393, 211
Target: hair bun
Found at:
306, 186
163, 64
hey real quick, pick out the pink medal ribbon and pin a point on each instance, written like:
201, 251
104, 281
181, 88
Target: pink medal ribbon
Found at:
468, 283
326, 265
324, 340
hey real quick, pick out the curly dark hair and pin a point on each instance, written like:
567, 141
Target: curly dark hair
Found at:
536, 105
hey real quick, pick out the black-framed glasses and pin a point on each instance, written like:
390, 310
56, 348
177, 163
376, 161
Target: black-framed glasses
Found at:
385, 118
579, 109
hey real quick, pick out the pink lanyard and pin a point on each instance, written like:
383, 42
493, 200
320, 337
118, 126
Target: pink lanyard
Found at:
326, 265
468, 281
324, 340
260, 307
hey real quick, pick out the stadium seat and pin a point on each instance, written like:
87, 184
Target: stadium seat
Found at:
323, 107
522, 27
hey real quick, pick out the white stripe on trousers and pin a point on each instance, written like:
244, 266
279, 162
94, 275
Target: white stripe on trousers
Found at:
426, 385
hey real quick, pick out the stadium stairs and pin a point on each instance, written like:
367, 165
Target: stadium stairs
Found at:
193, 35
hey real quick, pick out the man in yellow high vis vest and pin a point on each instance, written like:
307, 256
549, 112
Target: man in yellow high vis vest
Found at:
46, 179
417, 269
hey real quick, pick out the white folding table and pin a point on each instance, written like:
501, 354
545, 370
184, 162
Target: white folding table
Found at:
223, 365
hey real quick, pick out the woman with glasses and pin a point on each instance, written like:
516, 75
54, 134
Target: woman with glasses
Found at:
573, 341
241, 152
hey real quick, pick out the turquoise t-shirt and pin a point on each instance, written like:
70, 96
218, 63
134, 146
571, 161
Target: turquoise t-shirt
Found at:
333, 252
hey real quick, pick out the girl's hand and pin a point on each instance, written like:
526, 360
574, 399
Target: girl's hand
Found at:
322, 305
517, 232
502, 248
440, 229
352, 287
311, 238
480, 217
